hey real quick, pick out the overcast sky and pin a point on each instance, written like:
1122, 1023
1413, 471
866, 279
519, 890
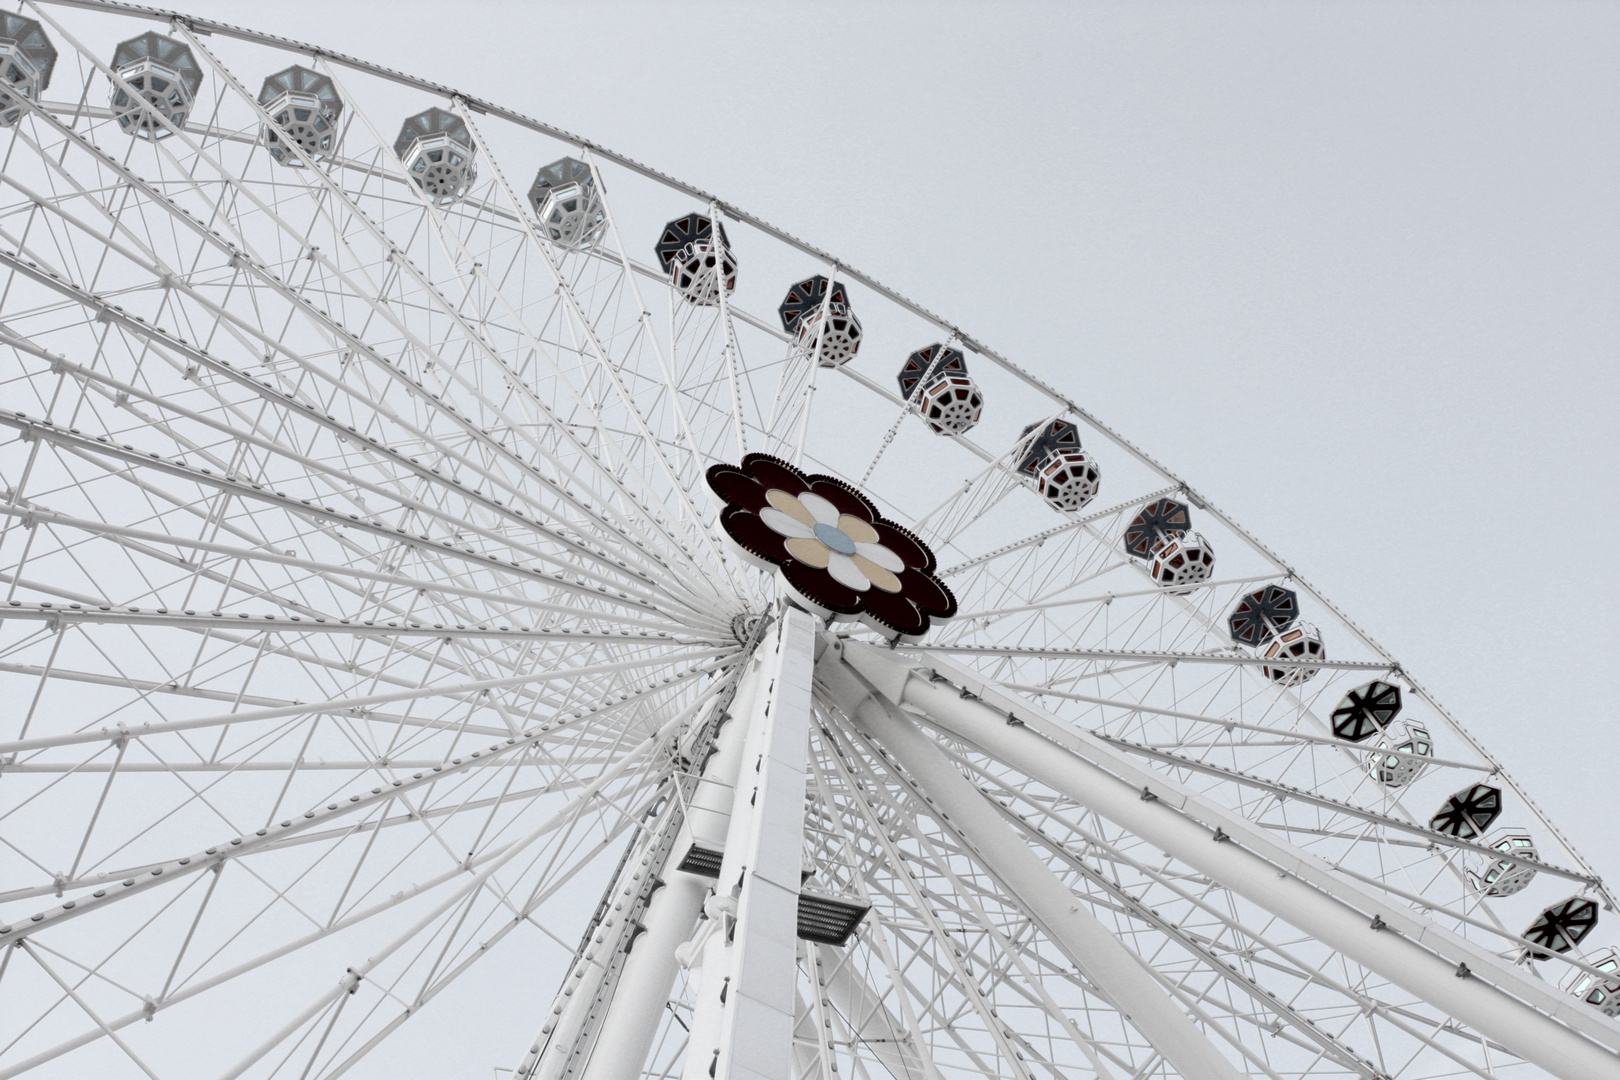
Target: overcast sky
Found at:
1349, 268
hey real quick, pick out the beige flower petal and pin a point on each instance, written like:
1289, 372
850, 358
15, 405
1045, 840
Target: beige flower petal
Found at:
856, 529
875, 573
810, 552
791, 506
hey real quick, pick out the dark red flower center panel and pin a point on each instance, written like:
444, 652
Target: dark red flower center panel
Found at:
831, 545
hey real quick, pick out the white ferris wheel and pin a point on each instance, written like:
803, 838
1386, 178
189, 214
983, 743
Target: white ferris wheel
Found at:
436, 547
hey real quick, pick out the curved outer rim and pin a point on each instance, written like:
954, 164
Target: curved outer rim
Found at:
205, 27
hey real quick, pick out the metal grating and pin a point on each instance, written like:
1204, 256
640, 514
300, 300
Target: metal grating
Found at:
827, 920
701, 861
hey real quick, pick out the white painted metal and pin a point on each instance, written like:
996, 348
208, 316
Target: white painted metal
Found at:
1122, 977
352, 546
869, 1019
627, 1031
1492, 1009
749, 965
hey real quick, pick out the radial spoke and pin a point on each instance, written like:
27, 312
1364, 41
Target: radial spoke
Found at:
366, 613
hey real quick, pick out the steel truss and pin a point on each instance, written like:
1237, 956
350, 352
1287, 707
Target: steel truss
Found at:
381, 692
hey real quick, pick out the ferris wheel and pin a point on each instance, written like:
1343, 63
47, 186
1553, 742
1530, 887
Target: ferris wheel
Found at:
472, 597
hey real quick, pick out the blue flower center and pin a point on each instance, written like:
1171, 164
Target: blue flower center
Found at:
835, 539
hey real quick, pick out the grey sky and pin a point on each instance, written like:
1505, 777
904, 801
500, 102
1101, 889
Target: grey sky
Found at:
1351, 268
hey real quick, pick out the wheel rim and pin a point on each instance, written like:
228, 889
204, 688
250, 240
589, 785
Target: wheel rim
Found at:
365, 603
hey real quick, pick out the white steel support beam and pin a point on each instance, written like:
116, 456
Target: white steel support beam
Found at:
632, 1021
1090, 945
747, 967
1503, 1004
878, 1030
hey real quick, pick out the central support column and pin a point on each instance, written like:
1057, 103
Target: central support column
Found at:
747, 966
633, 1017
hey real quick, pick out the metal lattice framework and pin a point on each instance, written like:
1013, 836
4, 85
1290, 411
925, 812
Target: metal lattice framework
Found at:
366, 621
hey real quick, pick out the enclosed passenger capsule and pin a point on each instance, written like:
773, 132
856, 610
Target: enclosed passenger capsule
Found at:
436, 149
1560, 928
821, 322
1161, 535
304, 108
1052, 459
1262, 615
935, 381
1468, 813
1180, 562
1411, 744
568, 202
1156, 522
158, 80
1504, 877
1366, 710
1600, 991
27, 59
697, 265
1300, 642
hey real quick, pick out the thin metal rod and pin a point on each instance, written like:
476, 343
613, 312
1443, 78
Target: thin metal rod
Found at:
1118, 973
1424, 964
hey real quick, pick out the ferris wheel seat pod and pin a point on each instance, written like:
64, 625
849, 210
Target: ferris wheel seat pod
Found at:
304, 107
1161, 535
952, 404
1366, 710
1411, 743
1263, 614
1181, 562
820, 321
1157, 521
164, 77
833, 553
697, 267
1051, 459
1301, 641
568, 201
935, 381
1601, 991
1560, 928
436, 149
27, 58
1507, 877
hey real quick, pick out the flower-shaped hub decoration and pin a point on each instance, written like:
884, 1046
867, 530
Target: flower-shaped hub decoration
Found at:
836, 555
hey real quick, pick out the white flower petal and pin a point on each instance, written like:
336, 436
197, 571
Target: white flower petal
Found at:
846, 573
782, 525
825, 512
881, 555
